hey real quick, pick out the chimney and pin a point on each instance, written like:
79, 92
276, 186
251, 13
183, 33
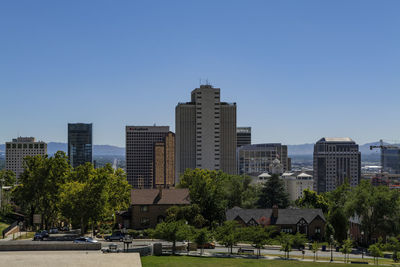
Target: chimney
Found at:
275, 211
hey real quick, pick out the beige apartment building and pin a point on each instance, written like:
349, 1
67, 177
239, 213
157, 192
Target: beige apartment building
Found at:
205, 132
20, 148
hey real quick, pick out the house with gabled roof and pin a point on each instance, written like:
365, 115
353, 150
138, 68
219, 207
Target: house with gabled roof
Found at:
310, 222
148, 206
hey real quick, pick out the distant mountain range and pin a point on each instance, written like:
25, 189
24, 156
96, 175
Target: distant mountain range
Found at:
308, 149
98, 150
107, 150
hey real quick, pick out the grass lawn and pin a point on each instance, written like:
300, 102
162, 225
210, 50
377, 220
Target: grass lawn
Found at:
225, 262
28, 235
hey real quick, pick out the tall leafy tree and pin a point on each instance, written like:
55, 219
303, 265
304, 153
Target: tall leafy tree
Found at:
207, 191
273, 193
378, 208
39, 186
92, 195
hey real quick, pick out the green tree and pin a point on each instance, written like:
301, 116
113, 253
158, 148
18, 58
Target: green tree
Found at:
273, 193
311, 199
339, 221
92, 195
239, 191
258, 236
201, 237
299, 240
172, 231
206, 189
39, 186
190, 213
286, 241
7, 178
393, 245
346, 249
315, 248
228, 234
378, 208
376, 252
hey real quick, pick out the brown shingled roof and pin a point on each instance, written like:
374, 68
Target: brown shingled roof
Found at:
153, 196
143, 196
175, 196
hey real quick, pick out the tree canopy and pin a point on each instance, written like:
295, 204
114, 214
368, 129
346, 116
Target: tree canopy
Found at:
273, 193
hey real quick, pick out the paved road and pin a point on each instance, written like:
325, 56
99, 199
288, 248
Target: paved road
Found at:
218, 249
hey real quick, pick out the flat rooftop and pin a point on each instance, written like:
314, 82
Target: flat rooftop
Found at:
69, 258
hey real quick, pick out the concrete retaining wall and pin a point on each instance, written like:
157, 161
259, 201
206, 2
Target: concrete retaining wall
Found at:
46, 246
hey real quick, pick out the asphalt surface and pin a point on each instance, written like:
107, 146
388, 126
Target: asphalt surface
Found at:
218, 249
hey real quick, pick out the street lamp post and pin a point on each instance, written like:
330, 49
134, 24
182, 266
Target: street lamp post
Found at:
331, 238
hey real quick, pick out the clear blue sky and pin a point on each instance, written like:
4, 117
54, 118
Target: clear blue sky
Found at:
298, 70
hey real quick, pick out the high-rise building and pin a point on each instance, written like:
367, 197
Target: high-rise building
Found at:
150, 156
20, 148
80, 143
164, 162
205, 132
390, 160
256, 159
243, 136
335, 161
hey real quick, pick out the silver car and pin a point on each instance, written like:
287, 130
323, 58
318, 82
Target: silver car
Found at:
81, 240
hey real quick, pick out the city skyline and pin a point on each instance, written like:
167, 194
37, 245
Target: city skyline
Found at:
288, 66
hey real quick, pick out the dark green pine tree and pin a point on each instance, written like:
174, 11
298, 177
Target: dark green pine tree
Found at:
273, 193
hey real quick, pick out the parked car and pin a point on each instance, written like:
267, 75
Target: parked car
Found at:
210, 245
54, 230
41, 235
64, 228
83, 239
117, 236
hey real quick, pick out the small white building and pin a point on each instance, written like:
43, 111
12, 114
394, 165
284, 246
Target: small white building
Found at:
295, 182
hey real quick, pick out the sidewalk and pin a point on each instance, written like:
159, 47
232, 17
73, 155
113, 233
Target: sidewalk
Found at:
10, 237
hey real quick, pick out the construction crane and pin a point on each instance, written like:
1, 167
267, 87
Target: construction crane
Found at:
382, 147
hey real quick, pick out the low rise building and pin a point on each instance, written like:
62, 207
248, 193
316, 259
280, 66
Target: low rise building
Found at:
310, 222
295, 182
148, 206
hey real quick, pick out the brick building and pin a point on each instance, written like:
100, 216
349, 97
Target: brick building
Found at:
149, 206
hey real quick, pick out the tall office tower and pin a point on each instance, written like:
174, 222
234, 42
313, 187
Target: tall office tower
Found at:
243, 136
335, 160
256, 159
390, 160
164, 162
20, 148
80, 144
205, 132
150, 158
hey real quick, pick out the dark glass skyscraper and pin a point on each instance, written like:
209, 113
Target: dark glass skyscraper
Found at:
243, 136
80, 145
390, 160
